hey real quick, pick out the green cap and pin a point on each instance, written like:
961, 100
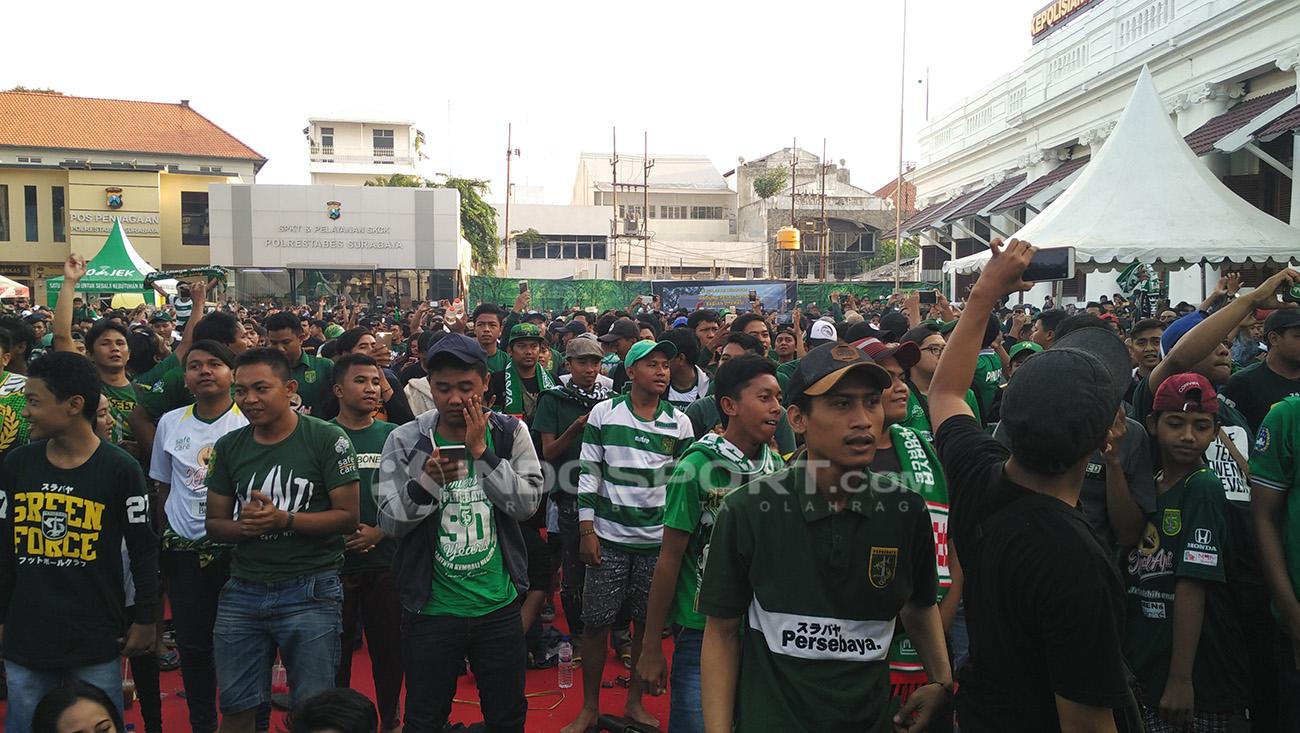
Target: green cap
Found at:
642, 348
1022, 347
333, 331
160, 316
946, 327
525, 331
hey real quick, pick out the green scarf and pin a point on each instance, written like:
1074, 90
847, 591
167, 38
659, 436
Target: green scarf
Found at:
720, 449
514, 396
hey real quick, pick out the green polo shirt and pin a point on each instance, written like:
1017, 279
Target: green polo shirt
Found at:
315, 376
820, 591
1273, 466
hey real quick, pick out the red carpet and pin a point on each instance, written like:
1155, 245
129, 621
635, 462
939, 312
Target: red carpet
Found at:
548, 711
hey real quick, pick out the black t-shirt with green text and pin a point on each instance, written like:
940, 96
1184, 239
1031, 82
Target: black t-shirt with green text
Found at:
297, 474
554, 414
369, 446
1191, 538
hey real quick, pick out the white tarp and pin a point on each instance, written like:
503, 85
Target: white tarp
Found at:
1146, 197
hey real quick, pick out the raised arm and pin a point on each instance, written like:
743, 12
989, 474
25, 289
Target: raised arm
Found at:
1002, 275
74, 268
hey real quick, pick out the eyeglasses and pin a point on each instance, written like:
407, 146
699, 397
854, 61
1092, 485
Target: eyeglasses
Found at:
936, 349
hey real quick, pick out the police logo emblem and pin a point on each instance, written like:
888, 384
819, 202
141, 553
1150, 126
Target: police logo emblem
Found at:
882, 563
1172, 522
334, 210
113, 197
54, 525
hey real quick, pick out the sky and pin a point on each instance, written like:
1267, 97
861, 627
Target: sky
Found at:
714, 77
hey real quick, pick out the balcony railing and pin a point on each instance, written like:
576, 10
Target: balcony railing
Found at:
359, 156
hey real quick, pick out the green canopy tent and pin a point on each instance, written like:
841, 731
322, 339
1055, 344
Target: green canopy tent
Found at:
116, 268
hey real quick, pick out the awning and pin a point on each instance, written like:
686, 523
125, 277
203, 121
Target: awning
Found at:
923, 217
1059, 173
957, 205
988, 198
11, 289
1202, 140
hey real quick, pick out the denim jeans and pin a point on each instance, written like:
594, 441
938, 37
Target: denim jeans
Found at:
574, 573
685, 708
28, 686
434, 650
371, 596
193, 592
301, 616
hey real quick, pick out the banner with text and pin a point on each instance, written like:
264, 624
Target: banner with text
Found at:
734, 295
557, 295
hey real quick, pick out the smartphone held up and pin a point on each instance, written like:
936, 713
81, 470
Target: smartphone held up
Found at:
1052, 263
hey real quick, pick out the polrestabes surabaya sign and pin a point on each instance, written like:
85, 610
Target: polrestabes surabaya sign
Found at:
334, 227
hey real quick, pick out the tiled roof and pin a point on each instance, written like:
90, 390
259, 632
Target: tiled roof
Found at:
34, 120
1058, 173
993, 194
1202, 139
925, 216
1286, 123
960, 203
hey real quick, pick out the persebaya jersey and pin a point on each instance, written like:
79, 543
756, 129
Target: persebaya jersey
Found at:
314, 375
626, 462
820, 590
369, 446
708, 471
297, 474
1274, 466
918, 412
988, 377
13, 398
469, 574
61, 535
121, 402
1189, 538
182, 449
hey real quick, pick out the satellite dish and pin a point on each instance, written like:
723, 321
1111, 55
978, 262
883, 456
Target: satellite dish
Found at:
740, 160
841, 162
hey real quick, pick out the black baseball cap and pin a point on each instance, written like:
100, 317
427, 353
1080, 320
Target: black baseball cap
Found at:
823, 367
892, 326
622, 329
1059, 404
579, 328
1282, 319
460, 346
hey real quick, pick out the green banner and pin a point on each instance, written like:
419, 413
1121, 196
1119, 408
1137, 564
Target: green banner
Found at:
555, 295
820, 293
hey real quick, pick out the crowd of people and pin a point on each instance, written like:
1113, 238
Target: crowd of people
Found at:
1071, 518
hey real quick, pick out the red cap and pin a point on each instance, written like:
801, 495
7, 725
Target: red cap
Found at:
907, 354
1109, 317
1186, 393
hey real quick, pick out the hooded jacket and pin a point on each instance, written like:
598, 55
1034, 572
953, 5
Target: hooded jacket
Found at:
419, 395
407, 499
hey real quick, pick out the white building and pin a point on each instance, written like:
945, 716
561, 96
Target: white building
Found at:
350, 152
1226, 69
682, 226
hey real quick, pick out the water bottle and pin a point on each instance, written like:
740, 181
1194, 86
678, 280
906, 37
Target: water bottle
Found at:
279, 679
565, 666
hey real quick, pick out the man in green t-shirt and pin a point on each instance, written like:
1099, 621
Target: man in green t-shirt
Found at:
13, 398
815, 564
559, 421
704, 414
487, 320
293, 481
369, 594
312, 373
453, 486
750, 400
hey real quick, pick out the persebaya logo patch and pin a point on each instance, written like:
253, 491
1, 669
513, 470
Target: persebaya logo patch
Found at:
883, 563
309, 376
1172, 522
54, 525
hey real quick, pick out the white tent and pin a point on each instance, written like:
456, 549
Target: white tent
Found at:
1146, 197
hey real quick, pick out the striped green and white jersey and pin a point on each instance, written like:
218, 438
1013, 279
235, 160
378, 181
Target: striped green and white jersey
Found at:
626, 462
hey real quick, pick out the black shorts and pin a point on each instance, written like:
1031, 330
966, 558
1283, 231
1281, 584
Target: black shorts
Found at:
541, 571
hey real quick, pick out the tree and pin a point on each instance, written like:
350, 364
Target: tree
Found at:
887, 253
770, 182
34, 90
530, 239
478, 218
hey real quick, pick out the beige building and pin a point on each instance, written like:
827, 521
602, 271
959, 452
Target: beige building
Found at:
70, 165
350, 152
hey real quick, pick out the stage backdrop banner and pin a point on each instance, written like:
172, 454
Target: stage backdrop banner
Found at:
557, 295
820, 293
775, 295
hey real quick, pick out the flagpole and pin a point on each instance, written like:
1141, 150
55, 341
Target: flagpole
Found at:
898, 183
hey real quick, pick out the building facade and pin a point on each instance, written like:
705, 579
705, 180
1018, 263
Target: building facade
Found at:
70, 165
352, 152
1227, 72
300, 243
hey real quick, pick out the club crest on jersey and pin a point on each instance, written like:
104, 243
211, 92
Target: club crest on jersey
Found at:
1171, 523
883, 563
309, 376
54, 525
1264, 439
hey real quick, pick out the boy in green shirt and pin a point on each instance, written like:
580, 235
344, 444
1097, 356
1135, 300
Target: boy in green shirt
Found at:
369, 593
1182, 637
312, 373
750, 401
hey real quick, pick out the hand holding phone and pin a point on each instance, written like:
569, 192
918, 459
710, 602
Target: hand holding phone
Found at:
447, 463
929, 297
1054, 263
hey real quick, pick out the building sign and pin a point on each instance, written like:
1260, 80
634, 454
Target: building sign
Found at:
93, 222
1055, 15
14, 270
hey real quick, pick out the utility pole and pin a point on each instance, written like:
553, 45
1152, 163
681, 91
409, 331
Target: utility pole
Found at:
613, 229
510, 153
794, 160
898, 184
646, 164
824, 240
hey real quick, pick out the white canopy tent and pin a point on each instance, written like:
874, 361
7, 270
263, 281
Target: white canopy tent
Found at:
1146, 197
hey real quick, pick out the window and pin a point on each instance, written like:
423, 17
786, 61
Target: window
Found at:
598, 250
383, 140
570, 250
553, 250
327, 140
209, 169
58, 210
4, 213
28, 159
523, 251
194, 217
584, 250
706, 212
29, 213
672, 212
